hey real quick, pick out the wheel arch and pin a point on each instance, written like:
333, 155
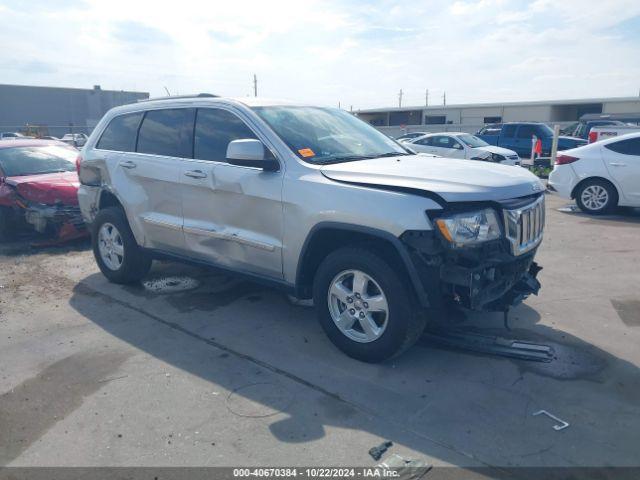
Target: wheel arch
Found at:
107, 199
602, 179
326, 237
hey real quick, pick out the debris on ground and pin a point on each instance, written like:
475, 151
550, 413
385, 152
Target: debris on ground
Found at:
405, 468
490, 344
561, 423
171, 284
377, 452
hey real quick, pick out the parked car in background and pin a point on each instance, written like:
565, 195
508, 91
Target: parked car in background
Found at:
75, 139
39, 188
600, 176
410, 135
462, 145
490, 129
608, 131
583, 128
517, 136
316, 202
12, 136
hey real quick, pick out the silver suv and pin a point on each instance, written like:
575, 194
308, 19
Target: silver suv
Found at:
313, 201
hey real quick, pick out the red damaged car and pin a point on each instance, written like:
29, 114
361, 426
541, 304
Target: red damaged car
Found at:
39, 189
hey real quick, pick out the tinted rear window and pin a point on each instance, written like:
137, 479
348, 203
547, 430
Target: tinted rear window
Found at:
167, 132
120, 134
630, 146
214, 130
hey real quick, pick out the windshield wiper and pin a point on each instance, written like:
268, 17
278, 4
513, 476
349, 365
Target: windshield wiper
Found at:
392, 154
349, 158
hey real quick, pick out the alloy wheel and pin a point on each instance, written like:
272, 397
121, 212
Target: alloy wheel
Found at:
595, 197
110, 246
358, 306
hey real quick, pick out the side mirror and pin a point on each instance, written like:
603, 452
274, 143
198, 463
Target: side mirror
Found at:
249, 152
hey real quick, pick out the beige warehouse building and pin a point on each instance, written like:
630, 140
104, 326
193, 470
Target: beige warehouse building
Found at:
471, 117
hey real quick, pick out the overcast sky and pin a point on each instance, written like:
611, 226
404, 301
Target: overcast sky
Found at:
359, 53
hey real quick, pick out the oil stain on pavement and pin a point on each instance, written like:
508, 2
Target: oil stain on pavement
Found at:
30, 409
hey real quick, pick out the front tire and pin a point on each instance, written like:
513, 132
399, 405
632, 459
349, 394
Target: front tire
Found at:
117, 253
365, 308
596, 197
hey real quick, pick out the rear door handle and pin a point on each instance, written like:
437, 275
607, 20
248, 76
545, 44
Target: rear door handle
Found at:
128, 164
195, 174
617, 164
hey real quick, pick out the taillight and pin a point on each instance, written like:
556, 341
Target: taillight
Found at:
78, 161
565, 159
593, 137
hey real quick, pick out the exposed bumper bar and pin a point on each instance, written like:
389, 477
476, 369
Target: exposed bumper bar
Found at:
493, 287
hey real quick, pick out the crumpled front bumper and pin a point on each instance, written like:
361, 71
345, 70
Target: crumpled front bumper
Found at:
494, 286
488, 278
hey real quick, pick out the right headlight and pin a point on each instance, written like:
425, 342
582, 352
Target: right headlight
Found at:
469, 228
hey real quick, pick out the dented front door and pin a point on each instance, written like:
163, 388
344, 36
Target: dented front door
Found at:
232, 214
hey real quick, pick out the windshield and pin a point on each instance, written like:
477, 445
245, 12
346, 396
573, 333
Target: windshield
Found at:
327, 135
19, 161
472, 141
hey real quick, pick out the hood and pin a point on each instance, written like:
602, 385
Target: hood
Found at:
48, 188
495, 149
452, 179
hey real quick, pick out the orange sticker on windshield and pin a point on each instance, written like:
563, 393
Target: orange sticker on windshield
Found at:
306, 152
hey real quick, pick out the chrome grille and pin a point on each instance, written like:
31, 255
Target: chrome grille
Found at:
524, 226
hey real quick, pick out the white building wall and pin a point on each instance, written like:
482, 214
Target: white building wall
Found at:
621, 107
528, 113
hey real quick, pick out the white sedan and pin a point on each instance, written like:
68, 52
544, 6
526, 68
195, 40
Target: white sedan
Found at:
462, 145
600, 175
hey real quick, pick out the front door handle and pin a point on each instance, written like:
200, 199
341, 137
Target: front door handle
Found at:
195, 174
128, 164
618, 164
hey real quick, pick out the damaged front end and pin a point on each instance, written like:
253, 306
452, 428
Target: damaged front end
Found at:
60, 220
493, 274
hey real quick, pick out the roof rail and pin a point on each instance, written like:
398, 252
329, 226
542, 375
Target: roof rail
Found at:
175, 97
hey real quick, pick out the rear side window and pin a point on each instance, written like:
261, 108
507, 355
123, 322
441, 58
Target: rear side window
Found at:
509, 131
120, 134
167, 132
214, 130
424, 141
527, 131
630, 146
443, 142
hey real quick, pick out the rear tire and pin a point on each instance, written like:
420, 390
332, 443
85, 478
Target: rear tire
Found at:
117, 253
370, 331
597, 197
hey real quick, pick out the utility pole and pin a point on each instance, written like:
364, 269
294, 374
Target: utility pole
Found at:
255, 85
426, 97
400, 99
339, 106
444, 99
